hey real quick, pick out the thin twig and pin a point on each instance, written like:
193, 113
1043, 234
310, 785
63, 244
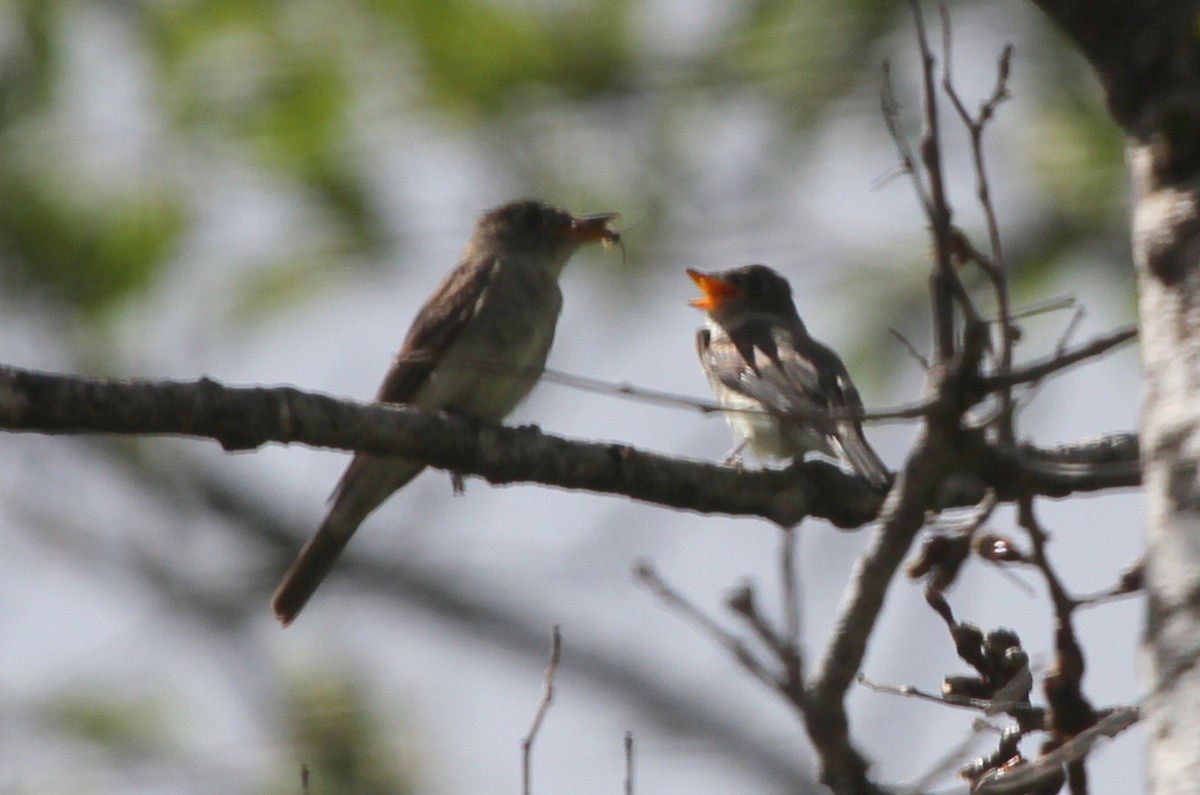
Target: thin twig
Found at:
1064, 603
628, 763
791, 588
993, 264
1072, 324
789, 683
672, 399
542, 709
950, 761
646, 573
943, 278
1044, 306
984, 705
891, 119
1040, 368
743, 603
1024, 778
1131, 582
912, 350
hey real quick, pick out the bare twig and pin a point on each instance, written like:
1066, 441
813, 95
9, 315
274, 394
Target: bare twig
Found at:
984, 705
1059, 348
912, 350
950, 760
628, 763
1044, 306
742, 602
1064, 603
943, 279
1024, 778
791, 590
675, 400
543, 707
1131, 582
1040, 368
891, 119
646, 573
993, 264
628, 391
1072, 324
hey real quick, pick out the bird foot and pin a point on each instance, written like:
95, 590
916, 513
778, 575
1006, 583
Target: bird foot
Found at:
734, 457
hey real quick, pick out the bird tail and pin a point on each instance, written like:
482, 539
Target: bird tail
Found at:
854, 449
369, 480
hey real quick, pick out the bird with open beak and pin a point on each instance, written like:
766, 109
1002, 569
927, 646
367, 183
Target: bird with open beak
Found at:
774, 381
475, 348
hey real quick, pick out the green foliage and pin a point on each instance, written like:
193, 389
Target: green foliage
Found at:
803, 56
256, 75
87, 253
289, 88
280, 285
478, 59
28, 71
340, 741
127, 727
1078, 154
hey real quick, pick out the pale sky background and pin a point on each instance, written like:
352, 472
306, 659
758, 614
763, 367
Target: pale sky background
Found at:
455, 700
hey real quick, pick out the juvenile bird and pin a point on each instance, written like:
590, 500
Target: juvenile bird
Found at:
763, 366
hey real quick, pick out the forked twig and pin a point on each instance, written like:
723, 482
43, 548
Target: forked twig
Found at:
648, 576
542, 709
993, 264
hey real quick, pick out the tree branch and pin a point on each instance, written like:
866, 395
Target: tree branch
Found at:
246, 417
243, 418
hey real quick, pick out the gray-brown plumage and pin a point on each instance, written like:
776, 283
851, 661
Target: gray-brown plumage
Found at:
762, 365
476, 348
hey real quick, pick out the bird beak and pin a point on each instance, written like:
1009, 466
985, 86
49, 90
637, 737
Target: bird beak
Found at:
590, 228
716, 291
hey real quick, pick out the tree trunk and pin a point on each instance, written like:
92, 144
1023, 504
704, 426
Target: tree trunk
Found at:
1147, 58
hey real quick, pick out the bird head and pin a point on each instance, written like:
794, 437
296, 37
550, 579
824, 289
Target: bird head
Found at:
533, 228
744, 292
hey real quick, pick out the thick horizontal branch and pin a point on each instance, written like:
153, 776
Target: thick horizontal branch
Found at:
248, 417
244, 418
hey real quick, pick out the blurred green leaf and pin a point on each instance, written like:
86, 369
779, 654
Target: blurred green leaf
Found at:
255, 74
802, 56
133, 726
478, 58
335, 733
88, 253
280, 286
29, 68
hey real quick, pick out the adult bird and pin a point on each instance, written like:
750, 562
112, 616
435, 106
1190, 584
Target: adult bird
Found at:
775, 382
475, 348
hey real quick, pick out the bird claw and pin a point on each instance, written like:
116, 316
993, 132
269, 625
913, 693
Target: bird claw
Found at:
734, 457
458, 483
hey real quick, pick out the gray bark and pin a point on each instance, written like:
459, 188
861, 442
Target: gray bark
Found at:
1147, 58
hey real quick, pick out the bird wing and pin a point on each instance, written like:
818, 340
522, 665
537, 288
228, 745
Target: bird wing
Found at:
789, 372
763, 361
433, 331
437, 325
847, 434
